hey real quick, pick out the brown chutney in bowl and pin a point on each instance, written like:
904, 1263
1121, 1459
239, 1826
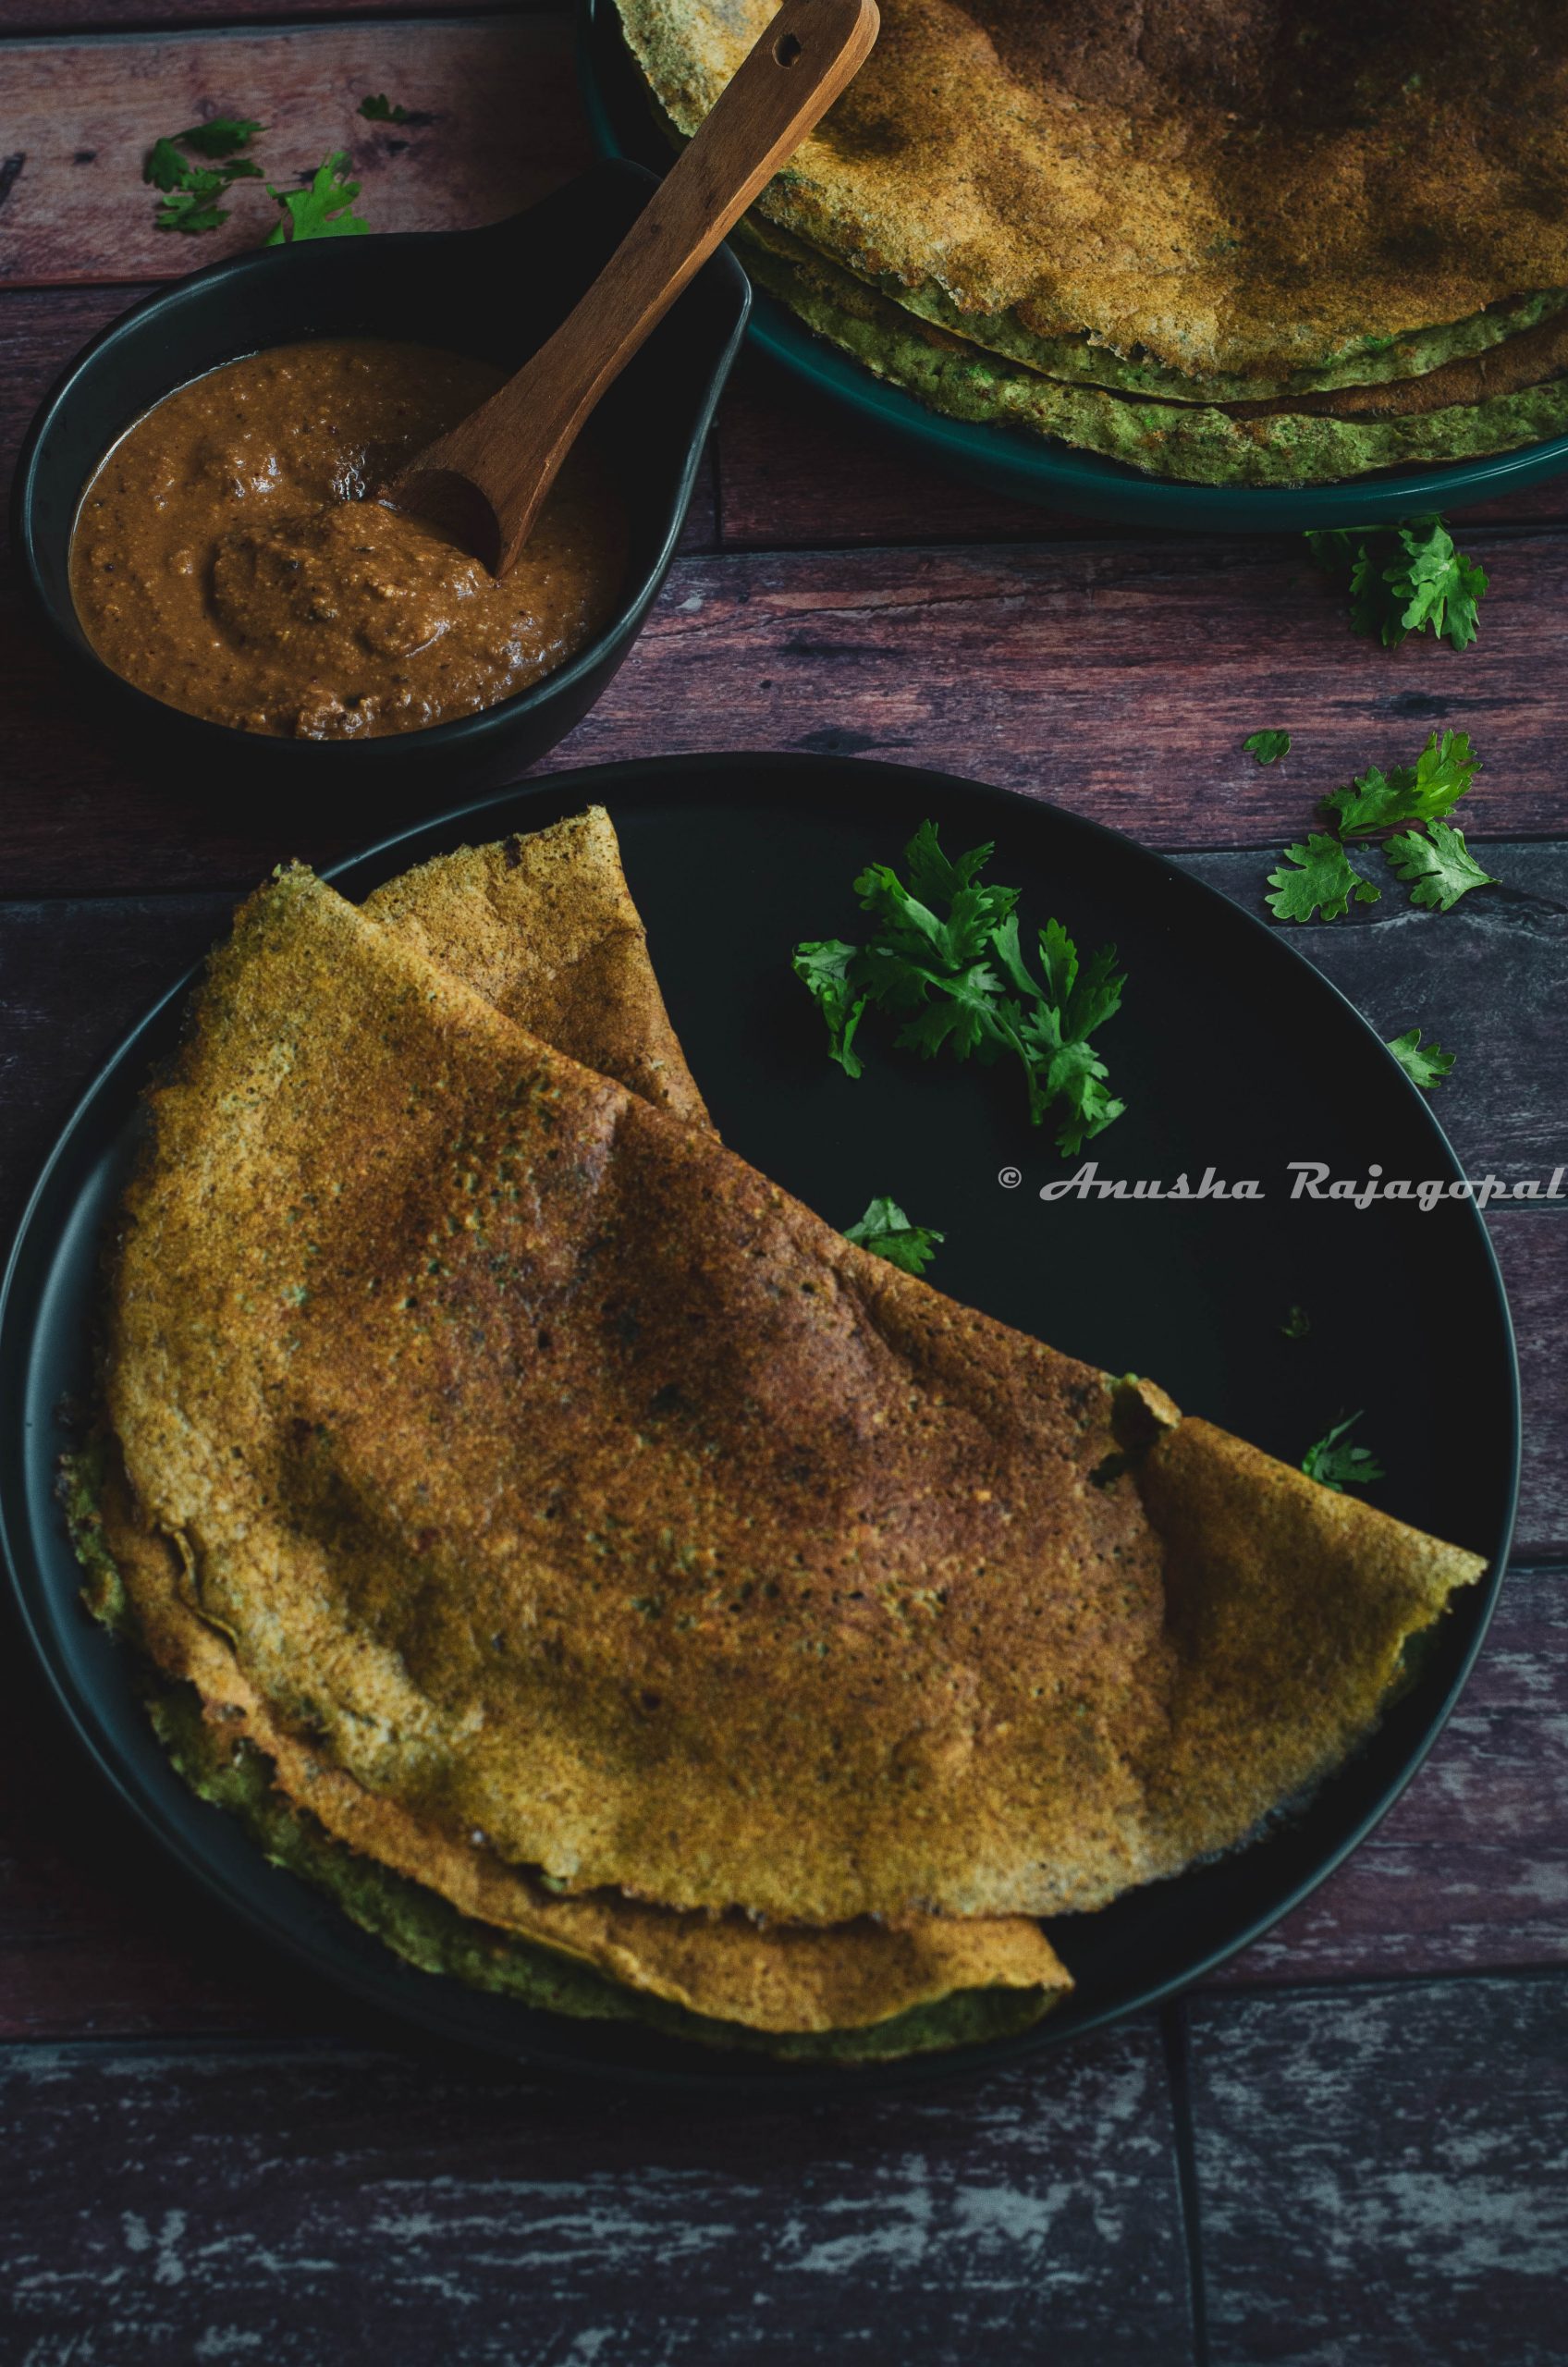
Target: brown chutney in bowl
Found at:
229, 557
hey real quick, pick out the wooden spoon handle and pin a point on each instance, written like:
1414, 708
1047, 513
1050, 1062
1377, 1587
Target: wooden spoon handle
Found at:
512, 446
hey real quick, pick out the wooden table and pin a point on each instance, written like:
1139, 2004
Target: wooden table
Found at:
1349, 2148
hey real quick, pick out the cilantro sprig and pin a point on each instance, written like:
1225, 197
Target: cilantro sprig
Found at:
1267, 747
946, 959
1403, 579
376, 107
191, 195
1420, 792
1318, 877
1336, 1464
324, 210
887, 1232
1426, 1066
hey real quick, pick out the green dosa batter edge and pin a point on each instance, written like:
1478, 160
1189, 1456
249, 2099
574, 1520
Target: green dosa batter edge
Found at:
423, 1928
1192, 443
1376, 362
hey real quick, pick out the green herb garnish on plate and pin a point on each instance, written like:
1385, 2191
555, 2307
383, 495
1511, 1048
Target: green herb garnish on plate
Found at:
946, 959
1336, 1464
887, 1232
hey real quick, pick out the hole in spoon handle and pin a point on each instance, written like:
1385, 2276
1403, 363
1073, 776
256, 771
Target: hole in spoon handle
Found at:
786, 49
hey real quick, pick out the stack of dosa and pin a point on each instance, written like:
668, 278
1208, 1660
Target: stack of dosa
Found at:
1230, 241
618, 1586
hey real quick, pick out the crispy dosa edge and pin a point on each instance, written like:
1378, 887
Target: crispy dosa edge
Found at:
779, 1978
542, 925
1231, 190
1185, 443
1280, 1592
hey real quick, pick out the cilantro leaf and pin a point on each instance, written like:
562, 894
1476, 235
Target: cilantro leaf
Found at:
824, 968
1324, 876
887, 1232
1336, 1464
322, 210
1268, 747
1440, 867
1426, 1068
221, 137
1297, 1323
378, 108
945, 957
1433, 786
193, 195
1404, 579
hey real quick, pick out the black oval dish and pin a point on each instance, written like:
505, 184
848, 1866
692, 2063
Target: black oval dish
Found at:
519, 278
762, 849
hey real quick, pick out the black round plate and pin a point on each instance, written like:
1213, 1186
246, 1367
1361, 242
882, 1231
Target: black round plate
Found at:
1231, 1052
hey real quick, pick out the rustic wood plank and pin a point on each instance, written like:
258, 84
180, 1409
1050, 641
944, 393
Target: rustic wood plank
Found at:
1381, 2175
1467, 1871
299, 2204
799, 471
505, 128
1119, 679
1532, 1252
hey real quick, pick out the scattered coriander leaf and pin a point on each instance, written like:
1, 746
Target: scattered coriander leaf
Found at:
322, 210
1404, 579
887, 1232
195, 206
1433, 786
194, 194
1268, 747
1438, 868
945, 957
1324, 877
824, 969
221, 137
1297, 1323
1426, 1068
378, 108
1337, 1464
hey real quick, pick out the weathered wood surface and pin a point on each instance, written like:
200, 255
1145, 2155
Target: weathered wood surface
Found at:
1382, 2174
1118, 679
298, 2203
499, 91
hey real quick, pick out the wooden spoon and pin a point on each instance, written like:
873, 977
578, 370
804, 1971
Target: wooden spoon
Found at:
509, 449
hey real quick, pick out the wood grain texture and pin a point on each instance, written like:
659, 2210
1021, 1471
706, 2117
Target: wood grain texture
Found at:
1382, 2174
296, 2204
505, 128
1119, 679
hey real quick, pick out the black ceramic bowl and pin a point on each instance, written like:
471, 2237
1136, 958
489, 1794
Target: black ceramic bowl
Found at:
497, 292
